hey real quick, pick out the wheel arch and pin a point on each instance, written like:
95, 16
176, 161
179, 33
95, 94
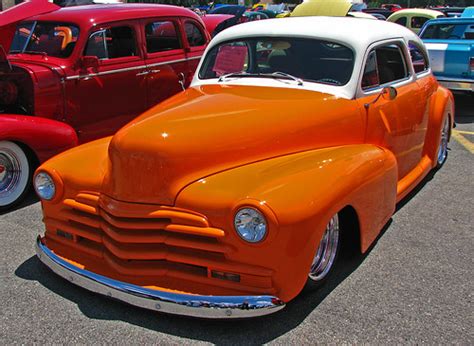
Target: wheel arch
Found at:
351, 233
442, 106
44, 137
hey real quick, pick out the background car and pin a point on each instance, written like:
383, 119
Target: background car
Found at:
379, 11
450, 42
93, 68
414, 18
293, 143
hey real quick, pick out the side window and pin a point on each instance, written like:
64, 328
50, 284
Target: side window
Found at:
116, 42
385, 64
417, 22
402, 21
96, 45
371, 74
418, 58
161, 36
194, 35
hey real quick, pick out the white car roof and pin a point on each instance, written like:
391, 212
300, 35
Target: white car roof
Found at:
356, 33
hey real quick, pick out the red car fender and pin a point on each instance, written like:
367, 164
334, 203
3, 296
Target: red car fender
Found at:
45, 137
10, 17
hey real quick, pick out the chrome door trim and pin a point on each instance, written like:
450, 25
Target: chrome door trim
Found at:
89, 75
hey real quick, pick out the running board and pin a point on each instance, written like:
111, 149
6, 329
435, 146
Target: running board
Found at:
409, 181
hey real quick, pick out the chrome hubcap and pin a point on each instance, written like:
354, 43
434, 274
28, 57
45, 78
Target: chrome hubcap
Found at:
326, 253
10, 172
443, 145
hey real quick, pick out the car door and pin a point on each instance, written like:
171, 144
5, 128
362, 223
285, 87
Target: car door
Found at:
196, 38
393, 123
165, 58
105, 97
428, 86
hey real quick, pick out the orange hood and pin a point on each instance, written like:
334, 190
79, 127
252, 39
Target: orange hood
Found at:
209, 129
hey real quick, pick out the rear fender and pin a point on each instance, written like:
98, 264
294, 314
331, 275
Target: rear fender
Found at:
45, 137
442, 106
298, 193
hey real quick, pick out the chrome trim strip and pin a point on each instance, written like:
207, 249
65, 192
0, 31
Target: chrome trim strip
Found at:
461, 80
457, 85
167, 62
163, 301
130, 68
106, 72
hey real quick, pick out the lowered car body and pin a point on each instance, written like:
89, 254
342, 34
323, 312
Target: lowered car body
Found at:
228, 198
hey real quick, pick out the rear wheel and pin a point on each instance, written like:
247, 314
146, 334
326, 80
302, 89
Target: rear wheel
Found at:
326, 254
443, 144
15, 174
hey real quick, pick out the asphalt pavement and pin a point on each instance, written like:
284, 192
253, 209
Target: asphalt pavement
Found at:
415, 285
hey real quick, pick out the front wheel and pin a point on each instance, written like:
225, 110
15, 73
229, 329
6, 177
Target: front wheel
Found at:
326, 254
443, 144
15, 174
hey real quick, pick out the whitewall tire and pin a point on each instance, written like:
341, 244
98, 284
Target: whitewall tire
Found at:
15, 174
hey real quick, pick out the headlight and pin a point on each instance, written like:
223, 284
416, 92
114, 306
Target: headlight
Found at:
250, 224
44, 186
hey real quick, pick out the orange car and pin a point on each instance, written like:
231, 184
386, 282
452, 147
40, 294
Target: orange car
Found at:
227, 199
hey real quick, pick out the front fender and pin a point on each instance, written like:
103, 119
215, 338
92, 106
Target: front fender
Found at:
45, 137
298, 193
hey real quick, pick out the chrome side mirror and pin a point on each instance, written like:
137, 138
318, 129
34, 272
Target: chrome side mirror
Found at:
388, 93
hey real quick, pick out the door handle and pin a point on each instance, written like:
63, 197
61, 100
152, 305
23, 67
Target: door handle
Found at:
144, 73
155, 71
181, 80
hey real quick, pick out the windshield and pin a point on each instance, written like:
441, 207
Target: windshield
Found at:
52, 39
449, 31
306, 59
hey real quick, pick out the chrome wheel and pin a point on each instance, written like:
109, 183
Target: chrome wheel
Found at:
325, 256
14, 173
443, 145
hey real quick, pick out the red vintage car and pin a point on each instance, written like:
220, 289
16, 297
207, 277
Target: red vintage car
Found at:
80, 73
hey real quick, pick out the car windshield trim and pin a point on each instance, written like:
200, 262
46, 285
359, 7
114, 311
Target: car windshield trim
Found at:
299, 59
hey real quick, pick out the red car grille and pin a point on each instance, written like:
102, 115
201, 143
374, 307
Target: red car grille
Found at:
151, 243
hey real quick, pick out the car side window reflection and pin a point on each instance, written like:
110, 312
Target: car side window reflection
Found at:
402, 21
371, 74
116, 42
417, 22
385, 64
161, 36
194, 35
418, 58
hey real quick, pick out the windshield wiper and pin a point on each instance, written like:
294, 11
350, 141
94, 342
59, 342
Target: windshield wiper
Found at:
237, 75
279, 74
275, 75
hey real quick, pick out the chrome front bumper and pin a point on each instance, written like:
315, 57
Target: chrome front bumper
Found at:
163, 301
